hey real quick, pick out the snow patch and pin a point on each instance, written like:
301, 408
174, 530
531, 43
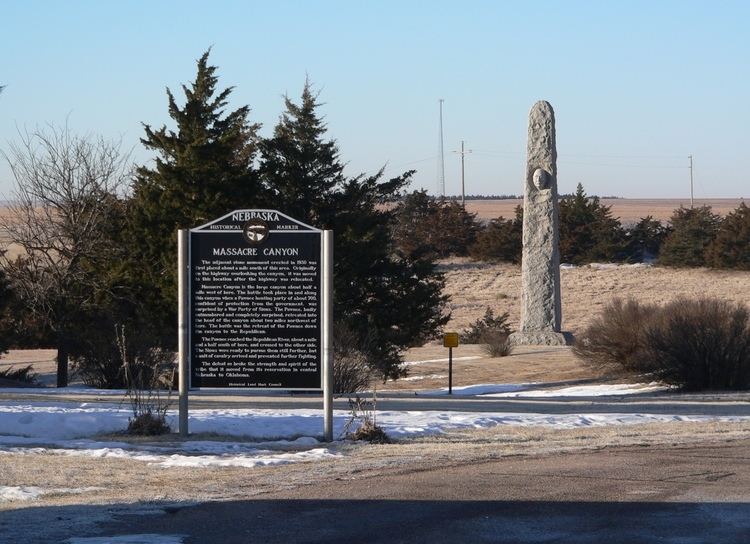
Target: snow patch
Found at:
585, 391
427, 377
516, 390
19, 493
445, 360
480, 389
30, 493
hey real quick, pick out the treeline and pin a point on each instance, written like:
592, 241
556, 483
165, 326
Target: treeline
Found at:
588, 233
99, 237
482, 197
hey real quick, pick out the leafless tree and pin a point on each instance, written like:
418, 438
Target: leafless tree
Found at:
65, 186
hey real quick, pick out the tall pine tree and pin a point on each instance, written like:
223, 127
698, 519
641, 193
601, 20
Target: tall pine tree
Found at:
389, 300
203, 169
302, 169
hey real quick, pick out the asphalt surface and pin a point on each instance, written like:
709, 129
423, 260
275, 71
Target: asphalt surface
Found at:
686, 494
718, 404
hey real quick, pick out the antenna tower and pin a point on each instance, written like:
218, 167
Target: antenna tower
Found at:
441, 154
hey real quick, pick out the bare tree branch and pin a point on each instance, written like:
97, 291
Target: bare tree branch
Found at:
64, 187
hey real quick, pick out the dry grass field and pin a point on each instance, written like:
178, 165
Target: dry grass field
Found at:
5, 244
585, 290
629, 210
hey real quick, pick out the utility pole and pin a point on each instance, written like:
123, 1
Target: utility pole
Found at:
463, 184
441, 171
691, 181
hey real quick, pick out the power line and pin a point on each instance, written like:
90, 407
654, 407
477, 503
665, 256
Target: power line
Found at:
622, 165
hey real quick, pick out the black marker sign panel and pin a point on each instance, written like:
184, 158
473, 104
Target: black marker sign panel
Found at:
255, 302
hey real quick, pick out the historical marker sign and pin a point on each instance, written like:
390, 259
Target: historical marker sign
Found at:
255, 306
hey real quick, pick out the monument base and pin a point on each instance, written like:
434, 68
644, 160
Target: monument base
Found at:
541, 338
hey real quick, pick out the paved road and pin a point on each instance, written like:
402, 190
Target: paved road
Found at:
736, 404
688, 494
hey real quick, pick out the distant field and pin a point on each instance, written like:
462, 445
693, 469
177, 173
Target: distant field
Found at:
629, 210
4, 242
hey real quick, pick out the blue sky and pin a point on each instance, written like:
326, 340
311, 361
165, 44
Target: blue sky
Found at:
636, 86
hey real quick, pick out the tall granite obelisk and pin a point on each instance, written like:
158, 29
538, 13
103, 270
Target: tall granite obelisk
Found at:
541, 314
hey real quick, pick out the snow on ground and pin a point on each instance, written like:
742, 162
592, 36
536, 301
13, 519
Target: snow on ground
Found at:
478, 389
427, 377
28, 424
586, 391
254, 423
163, 457
445, 360
607, 266
71, 390
29, 493
272, 437
534, 390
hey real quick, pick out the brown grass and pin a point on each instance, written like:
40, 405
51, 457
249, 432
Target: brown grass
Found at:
585, 289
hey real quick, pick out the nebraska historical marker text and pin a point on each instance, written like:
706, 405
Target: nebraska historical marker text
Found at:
255, 302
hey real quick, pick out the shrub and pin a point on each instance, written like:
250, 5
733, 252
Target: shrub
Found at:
148, 424
701, 344
24, 374
588, 232
351, 371
145, 380
496, 343
500, 240
97, 357
477, 331
693, 230
615, 341
731, 247
364, 415
644, 240
693, 344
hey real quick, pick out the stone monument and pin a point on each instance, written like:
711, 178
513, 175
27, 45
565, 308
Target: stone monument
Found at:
541, 313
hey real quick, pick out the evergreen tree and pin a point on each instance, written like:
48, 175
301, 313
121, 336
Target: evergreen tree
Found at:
645, 238
439, 228
203, 170
388, 299
588, 232
501, 240
731, 247
693, 230
301, 168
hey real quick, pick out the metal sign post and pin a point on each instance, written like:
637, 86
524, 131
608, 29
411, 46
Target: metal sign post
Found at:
450, 341
327, 347
183, 297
